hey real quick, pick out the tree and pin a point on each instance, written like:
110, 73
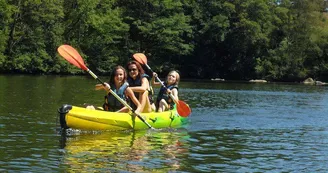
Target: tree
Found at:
159, 29
6, 11
299, 52
34, 32
97, 29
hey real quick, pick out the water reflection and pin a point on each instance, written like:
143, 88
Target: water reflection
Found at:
278, 150
141, 151
234, 127
226, 99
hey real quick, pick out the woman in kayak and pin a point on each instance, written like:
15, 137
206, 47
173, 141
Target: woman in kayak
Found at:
139, 84
120, 86
164, 101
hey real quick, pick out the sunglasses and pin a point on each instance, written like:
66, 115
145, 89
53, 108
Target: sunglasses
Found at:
133, 69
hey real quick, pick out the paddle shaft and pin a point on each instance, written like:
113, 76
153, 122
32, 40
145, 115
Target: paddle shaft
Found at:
110, 90
182, 108
159, 80
120, 99
71, 53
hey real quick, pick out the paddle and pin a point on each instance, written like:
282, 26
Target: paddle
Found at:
182, 107
72, 56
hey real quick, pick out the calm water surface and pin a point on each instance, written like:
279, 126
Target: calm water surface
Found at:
234, 127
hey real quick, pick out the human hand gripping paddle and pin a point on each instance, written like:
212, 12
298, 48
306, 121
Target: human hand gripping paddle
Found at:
182, 107
72, 56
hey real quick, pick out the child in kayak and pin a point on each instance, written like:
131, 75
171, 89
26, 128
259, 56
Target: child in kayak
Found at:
164, 101
118, 84
139, 83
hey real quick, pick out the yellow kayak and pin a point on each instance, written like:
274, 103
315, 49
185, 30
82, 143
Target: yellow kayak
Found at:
85, 119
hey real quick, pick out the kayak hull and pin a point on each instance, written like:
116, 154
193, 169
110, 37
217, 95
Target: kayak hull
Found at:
85, 119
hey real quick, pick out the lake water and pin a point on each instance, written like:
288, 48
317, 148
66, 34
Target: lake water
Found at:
234, 127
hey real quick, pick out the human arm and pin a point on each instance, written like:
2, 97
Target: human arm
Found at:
101, 86
153, 80
174, 93
133, 98
144, 86
124, 109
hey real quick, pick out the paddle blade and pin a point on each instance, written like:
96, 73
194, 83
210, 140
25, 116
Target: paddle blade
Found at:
140, 57
72, 56
183, 109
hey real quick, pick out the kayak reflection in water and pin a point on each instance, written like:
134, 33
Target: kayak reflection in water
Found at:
127, 151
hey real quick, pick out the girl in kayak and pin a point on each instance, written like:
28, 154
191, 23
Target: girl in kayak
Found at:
164, 101
118, 83
139, 84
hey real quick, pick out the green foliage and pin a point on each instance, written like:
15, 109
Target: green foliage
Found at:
300, 53
160, 29
97, 28
278, 64
32, 33
6, 11
2, 61
274, 40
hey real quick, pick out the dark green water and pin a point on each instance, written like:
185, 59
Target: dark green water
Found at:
234, 127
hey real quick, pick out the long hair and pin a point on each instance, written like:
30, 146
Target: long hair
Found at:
140, 69
113, 74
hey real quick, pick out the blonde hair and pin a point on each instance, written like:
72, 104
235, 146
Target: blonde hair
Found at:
177, 76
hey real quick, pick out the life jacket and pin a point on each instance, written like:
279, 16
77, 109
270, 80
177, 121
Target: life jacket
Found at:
163, 95
137, 82
111, 102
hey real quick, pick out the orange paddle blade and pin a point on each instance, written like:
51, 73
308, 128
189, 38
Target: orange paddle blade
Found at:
183, 109
140, 57
72, 56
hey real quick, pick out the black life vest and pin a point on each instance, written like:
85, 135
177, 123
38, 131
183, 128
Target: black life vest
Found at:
163, 95
113, 104
137, 82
